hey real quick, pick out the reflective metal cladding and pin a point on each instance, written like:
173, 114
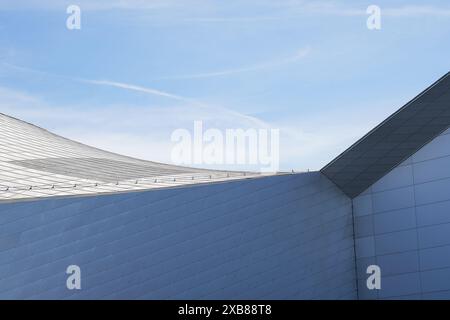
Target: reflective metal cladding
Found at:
35, 163
394, 140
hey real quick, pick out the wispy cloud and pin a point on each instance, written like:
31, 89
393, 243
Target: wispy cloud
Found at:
204, 11
302, 53
417, 11
189, 103
90, 5
115, 84
136, 88
301, 7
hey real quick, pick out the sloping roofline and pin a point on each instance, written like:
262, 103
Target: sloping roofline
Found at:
392, 141
35, 163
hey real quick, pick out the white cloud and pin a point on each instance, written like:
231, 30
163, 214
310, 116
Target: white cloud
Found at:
205, 11
133, 87
300, 54
90, 5
189, 103
417, 11
301, 7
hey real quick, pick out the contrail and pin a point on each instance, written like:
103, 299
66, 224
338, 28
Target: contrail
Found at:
270, 64
147, 90
133, 87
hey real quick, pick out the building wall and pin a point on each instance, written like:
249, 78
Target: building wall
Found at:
402, 224
280, 237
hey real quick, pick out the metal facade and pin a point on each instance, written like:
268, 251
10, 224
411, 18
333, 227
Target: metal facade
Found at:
279, 237
394, 140
402, 224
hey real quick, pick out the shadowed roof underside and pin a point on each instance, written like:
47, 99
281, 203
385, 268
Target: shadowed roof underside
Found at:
35, 163
393, 141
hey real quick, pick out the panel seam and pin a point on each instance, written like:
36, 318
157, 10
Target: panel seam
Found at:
354, 251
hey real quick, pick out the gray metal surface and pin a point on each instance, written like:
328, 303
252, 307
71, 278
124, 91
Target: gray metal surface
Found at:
35, 163
391, 142
105, 170
278, 237
402, 224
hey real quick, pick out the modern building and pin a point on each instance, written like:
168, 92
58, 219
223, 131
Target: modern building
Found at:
145, 230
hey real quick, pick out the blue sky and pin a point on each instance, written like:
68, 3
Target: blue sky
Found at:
138, 70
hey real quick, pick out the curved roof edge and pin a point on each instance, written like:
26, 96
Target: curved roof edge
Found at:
36, 163
392, 141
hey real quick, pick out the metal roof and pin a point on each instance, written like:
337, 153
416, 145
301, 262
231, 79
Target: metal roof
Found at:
392, 141
36, 163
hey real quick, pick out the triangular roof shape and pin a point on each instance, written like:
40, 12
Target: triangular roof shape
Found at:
393, 141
